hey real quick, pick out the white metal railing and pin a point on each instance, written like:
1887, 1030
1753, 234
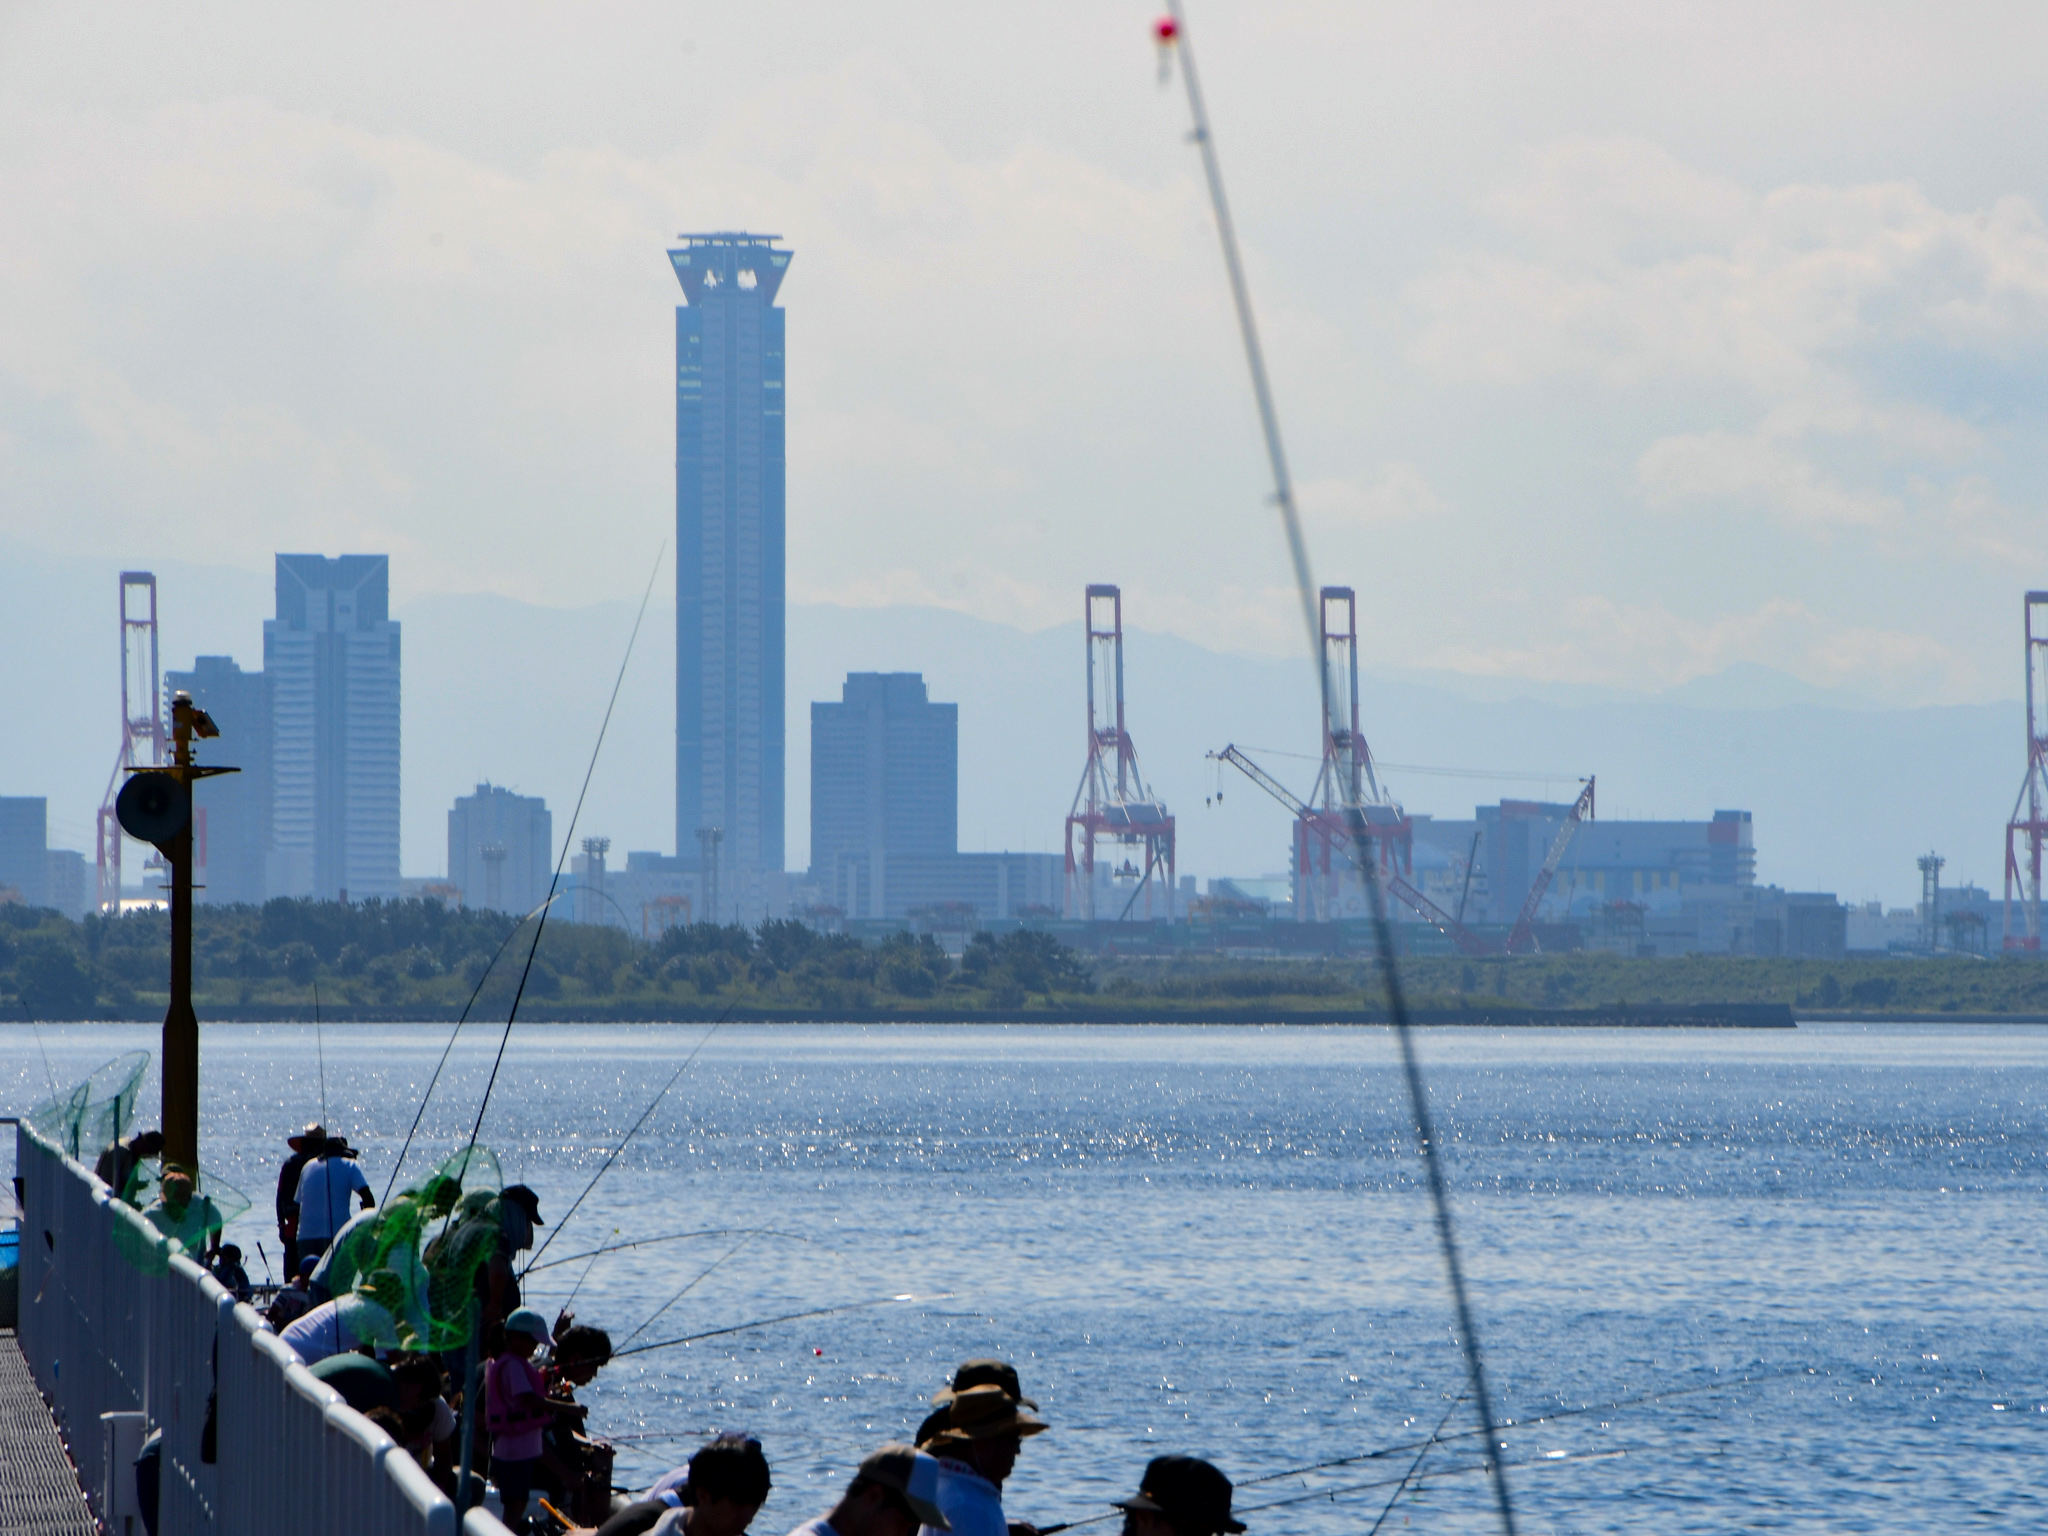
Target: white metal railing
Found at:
103, 1336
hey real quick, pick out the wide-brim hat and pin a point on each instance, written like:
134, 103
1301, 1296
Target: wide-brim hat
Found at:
1187, 1491
985, 1413
984, 1373
306, 1139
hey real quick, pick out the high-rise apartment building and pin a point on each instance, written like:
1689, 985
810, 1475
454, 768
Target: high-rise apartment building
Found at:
885, 794
231, 814
333, 660
730, 605
500, 849
25, 849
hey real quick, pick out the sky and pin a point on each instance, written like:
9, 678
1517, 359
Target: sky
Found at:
1615, 345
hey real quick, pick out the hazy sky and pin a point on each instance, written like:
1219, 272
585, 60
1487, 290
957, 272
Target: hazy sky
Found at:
1615, 343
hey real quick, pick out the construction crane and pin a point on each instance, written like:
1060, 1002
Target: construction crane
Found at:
1524, 931
1309, 835
2027, 829
1113, 804
142, 723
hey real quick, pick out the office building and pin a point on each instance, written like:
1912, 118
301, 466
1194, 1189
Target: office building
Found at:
25, 849
500, 849
332, 655
231, 813
885, 792
730, 604
72, 888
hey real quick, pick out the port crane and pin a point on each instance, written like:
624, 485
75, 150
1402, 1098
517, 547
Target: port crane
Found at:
1522, 936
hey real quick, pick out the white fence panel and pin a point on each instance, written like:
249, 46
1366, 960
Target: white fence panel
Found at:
100, 1335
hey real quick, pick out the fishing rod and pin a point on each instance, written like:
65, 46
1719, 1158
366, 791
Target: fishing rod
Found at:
673, 1237
1525, 1423
1551, 1460
463, 1018
787, 1317
674, 1077
1174, 31
320, 1050
568, 842
679, 1295
1415, 1465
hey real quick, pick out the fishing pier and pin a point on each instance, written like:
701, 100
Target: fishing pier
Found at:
121, 1336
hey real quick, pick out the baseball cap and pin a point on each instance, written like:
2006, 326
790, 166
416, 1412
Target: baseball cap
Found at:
529, 1322
912, 1474
525, 1199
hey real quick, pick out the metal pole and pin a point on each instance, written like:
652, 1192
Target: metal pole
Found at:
181, 1024
468, 1428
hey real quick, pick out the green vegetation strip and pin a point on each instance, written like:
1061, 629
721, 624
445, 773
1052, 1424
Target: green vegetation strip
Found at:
414, 960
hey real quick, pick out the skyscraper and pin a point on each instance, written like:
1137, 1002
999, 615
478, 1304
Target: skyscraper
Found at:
730, 605
231, 814
885, 794
332, 656
499, 849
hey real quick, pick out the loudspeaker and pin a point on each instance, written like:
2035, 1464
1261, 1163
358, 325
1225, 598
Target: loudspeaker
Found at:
154, 807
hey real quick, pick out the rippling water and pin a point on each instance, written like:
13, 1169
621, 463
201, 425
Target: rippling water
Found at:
1828, 1241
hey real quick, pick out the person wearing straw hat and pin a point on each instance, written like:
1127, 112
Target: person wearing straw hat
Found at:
972, 1373
895, 1492
985, 1428
1180, 1496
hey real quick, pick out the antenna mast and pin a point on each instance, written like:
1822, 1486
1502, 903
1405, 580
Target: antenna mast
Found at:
142, 722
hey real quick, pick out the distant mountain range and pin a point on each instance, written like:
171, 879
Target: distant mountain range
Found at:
1845, 791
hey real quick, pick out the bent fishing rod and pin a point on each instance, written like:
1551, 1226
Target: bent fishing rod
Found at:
568, 842
1173, 32
461, 1019
787, 1317
613, 1157
689, 1286
672, 1237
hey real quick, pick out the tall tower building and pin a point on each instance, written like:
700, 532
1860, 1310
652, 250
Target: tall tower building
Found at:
231, 814
332, 657
730, 551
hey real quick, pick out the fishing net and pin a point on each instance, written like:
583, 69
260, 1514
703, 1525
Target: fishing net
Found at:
185, 1217
405, 1290
93, 1115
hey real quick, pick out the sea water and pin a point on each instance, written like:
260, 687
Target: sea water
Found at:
1780, 1281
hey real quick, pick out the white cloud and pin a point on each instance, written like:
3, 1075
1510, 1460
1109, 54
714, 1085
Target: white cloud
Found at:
1400, 493
1730, 466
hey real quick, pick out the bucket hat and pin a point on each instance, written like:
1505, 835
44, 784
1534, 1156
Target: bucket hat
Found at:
1189, 1492
312, 1136
984, 1373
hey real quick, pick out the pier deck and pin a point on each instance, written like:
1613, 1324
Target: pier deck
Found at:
38, 1489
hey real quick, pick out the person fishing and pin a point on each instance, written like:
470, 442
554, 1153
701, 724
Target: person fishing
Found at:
303, 1148
985, 1428
516, 1411
984, 1372
117, 1165
183, 1215
895, 1492
575, 1469
1180, 1496
329, 1177
726, 1485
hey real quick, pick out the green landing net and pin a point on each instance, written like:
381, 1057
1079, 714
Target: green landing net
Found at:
95, 1114
154, 1223
408, 1285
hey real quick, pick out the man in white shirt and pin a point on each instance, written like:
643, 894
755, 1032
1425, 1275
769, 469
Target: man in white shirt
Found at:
895, 1490
325, 1184
976, 1451
320, 1333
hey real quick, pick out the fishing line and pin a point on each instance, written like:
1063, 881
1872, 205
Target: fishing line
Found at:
1297, 547
568, 842
679, 1295
49, 1076
1486, 1466
580, 1278
673, 1237
474, 993
320, 1050
614, 1157
1402, 1487
787, 1317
